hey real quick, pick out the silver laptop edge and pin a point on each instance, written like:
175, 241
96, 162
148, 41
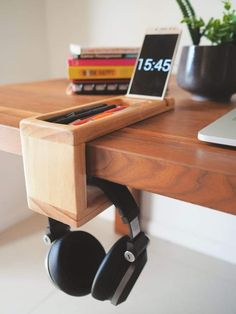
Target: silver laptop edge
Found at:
222, 131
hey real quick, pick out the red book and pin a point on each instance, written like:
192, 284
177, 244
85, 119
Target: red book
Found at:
101, 62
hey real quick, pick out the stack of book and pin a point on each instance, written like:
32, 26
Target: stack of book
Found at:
100, 70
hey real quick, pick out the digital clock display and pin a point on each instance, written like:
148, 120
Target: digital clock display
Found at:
153, 65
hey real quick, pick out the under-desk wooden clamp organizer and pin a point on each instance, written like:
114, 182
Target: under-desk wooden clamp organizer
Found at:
55, 163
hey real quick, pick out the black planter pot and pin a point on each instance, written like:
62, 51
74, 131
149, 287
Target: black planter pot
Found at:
208, 71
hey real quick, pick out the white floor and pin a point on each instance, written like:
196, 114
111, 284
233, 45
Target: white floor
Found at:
175, 281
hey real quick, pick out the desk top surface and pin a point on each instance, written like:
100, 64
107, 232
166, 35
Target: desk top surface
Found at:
160, 154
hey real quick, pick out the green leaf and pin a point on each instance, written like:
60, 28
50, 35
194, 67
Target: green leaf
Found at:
217, 30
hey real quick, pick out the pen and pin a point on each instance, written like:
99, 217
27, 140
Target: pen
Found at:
86, 114
70, 114
60, 118
98, 116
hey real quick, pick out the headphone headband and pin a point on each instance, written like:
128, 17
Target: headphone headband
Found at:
121, 197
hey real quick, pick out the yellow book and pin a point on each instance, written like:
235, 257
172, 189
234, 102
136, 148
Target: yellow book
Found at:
98, 72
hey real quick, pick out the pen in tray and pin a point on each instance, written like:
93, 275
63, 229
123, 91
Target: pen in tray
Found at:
71, 116
98, 116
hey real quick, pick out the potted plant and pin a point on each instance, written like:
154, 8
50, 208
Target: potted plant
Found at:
209, 71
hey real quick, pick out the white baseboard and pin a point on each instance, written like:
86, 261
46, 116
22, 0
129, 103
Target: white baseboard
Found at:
198, 228
192, 241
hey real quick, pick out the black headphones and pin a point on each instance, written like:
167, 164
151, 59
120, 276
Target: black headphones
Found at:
78, 264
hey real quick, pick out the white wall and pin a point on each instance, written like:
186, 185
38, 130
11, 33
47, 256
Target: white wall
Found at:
67, 22
23, 41
41, 31
111, 23
13, 205
23, 58
199, 228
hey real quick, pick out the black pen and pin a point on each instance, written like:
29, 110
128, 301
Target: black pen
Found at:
57, 119
86, 114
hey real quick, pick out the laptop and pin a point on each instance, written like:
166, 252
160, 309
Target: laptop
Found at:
222, 131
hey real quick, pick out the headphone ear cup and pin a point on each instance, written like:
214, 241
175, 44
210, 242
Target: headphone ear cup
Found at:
73, 261
110, 271
116, 276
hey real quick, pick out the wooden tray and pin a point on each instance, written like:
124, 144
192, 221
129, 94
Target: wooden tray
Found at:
55, 163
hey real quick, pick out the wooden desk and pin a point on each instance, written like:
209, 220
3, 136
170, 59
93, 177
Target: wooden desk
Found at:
160, 155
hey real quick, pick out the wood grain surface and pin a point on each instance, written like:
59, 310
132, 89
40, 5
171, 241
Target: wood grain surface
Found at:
19, 101
161, 154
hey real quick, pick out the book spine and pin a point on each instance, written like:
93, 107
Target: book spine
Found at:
97, 72
78, 50
105, 56
95, 88
101, 62
98, 81
99, 56
110, 50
